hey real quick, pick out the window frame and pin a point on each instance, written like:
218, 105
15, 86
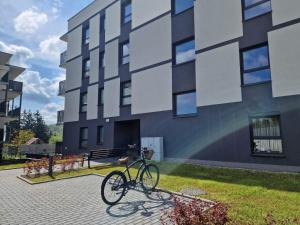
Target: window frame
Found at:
174, 8
175, 105
101, 97
243, 71
122, 53
125, 96
81, 139
123, 15
174, 53
252, 137
84, 69
81, 105
85, 39
245, 8
100, 138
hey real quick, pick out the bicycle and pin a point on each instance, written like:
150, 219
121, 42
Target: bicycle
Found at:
115, 185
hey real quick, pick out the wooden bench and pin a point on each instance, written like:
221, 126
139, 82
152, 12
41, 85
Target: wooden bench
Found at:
105, 154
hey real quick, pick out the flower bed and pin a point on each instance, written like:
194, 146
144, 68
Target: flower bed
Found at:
38, 167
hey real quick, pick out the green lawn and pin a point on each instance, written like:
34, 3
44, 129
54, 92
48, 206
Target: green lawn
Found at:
250, 194
11, 166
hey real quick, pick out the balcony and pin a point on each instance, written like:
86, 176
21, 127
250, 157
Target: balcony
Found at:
60, 117
14, 113
63, 59
15, 86
61, 88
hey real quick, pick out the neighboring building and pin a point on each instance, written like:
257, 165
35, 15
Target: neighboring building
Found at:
217, 80
10, 97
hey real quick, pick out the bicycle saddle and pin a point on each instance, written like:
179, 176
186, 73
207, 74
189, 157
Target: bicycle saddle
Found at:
123, 161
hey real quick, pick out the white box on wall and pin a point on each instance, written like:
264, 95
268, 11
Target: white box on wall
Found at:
155, 143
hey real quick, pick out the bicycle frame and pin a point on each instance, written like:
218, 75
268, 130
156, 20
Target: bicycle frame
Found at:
143, 164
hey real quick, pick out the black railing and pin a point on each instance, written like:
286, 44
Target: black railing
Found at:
60, 117
61, 89
15, 112
15, 86
63, 59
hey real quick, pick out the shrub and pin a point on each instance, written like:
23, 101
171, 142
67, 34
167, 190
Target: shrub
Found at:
195, 212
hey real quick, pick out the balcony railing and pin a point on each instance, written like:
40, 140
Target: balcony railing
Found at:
15, 86
60, 117
63, 59
14, 113
61, 89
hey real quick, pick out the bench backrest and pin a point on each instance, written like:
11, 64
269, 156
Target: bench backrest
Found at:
107, 153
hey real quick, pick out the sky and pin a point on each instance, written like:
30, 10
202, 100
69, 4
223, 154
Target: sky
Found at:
30, 29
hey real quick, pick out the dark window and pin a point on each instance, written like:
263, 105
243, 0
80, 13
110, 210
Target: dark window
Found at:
86, 68
126, 94
125, 53
86, 35
266, 134
100, 97
185, 51
101, 59
100, 135
254, 8
185, 103
182, 5
256, 66
102, 23
126, 12
83, 137
83, 102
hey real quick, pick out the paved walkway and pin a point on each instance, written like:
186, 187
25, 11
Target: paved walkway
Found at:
73, 201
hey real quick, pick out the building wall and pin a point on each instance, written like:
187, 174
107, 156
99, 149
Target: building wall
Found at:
220, 129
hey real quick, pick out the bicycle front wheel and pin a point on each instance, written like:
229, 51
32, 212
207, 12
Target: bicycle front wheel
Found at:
113, 187
150, 177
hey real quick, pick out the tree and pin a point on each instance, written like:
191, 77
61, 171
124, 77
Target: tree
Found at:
55, 138
20, 138
35, 122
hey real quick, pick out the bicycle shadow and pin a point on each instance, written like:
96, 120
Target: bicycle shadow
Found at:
156, 199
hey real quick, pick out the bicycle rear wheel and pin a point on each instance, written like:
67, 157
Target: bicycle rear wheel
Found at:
149, 177
113, 187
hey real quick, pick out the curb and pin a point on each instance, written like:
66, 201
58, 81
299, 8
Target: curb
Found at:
100, 175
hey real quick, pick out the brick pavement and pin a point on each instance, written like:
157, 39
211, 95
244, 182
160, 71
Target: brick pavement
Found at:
73, 201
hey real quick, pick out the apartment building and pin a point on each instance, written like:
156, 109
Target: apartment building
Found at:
10, 97
216, 81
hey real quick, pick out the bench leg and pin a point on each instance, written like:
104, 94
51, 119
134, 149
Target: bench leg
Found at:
89, 164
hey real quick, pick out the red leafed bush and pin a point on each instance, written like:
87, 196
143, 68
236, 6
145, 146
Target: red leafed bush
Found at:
195, 212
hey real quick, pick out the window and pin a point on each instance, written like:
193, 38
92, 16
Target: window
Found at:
102, 23
101, 59
126, 12
86, 35
185, 51
182, 5
100, 136
86, 68
185, 103
83, 102
266, 135
126, 94
83, 137
125, 53
254, 8
100, 97
256, 67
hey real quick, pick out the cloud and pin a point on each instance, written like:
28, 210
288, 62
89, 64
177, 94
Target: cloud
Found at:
20, 53
49, 112
30, 20
57, 6
39, 89
51, 48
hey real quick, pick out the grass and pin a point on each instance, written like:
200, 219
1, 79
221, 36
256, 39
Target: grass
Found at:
251, 195
11, 166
